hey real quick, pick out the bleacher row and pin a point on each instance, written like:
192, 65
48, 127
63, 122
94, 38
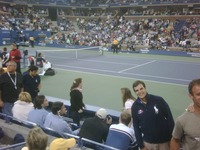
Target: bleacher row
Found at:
100, 2
11, 127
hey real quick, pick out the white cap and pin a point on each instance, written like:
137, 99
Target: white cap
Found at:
101, 113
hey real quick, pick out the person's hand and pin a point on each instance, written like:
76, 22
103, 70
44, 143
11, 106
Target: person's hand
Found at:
144, 148
80, 111
109, 120
1, 103
190, 108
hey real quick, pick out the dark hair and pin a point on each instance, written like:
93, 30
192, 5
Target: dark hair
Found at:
192, 84
125, 117
39, 100
56, 107
136, 83
33, 68
76, 83
39, 54
126, 94
5, 49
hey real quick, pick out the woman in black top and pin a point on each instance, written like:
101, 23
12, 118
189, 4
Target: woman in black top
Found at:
76, 100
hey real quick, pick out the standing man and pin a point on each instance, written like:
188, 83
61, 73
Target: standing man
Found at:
152, 119
31, 39
15, 55
10, 87
115, 45
186, 131
31, 82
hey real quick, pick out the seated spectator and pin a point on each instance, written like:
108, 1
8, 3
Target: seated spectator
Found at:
55, 121
40, 60
120, 135
38, 114
62, 144
22, 106
36, 140
96, 128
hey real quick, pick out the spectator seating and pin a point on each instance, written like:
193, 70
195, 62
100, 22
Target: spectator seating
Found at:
98, 146
17, 146
52, 132
23, 127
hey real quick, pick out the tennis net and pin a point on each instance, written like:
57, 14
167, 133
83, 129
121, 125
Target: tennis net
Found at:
72, 53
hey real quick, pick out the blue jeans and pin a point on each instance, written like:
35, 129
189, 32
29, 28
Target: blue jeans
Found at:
7, 109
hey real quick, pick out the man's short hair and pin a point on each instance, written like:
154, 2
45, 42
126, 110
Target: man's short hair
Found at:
33, 68
125, 117
192, 84
56, 107
136, 83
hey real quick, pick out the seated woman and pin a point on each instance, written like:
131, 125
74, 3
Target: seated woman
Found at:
22, 106
38, 115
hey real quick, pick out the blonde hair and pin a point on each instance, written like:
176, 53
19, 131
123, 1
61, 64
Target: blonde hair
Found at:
126, 94
25, 96
37, 139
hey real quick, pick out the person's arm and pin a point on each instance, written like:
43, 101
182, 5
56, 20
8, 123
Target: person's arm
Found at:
39, 83
175, 144
1, 82
168, 115
1, 102
137, 129
39, 86
67, 129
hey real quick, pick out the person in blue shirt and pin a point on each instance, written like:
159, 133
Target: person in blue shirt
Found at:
120, 135
39, 113
55, 121
152, 119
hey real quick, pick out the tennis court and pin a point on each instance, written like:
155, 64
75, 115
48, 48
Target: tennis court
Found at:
104, 75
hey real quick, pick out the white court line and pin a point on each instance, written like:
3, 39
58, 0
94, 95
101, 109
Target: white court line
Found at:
157, 77
120, 77
85, 68
137, 66
124, 73
67, 49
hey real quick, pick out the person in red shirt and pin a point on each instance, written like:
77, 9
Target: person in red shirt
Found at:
15, 55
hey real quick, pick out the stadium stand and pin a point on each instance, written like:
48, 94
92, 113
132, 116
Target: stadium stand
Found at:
96, 23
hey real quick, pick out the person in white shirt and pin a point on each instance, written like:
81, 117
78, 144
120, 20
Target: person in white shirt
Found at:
22, 106
127, 99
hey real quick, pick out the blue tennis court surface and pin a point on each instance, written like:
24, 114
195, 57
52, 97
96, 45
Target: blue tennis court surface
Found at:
152, 68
